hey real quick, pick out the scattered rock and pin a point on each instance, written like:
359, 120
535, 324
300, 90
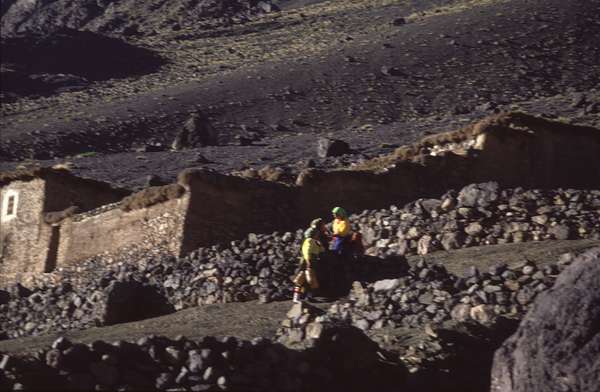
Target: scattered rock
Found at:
331, 148
197, 131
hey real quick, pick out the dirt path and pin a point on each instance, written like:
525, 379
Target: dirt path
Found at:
244, 320
542, 252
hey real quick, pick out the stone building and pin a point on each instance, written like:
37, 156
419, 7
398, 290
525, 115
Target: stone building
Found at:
29, 201
51, 218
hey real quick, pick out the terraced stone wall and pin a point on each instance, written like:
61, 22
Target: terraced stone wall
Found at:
157, 227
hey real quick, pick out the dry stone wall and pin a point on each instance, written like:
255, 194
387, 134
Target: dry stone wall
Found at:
159, 226
511, 149
226, 207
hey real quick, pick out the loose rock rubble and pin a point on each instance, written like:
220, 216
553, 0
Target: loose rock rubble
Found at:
429, 294
110, 300
481, 214
260, 266
156, 362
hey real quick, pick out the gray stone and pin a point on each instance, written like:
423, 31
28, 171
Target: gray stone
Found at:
427, 244
556, 345
296, 311
331, 147
461, 312
386, 285
540, 219
6, 362
483, 314
481, 195
452, 240
196, 131
362, 324
474, 229
560, 232
314, 330
492, 289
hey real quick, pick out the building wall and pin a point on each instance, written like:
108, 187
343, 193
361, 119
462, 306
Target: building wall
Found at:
227, 207
23, 239
156, 227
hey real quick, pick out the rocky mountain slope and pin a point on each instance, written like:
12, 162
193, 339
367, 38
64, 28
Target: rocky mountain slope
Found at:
278, 81
124, 17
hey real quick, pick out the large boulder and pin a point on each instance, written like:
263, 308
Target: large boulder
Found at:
557, 345
197, 131
478, 195
331, 147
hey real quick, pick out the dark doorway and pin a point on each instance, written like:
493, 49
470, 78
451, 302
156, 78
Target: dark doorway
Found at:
52, 250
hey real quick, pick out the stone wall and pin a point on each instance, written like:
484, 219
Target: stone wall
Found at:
512, 149
108, 232
24, 239
227, 207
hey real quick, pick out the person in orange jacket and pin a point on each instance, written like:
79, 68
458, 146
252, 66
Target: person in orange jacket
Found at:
341, 231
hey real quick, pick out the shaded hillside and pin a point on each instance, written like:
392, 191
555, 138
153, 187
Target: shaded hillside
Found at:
69, 60
343, 67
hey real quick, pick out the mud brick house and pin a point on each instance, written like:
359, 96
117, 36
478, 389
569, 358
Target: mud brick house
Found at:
52, 218
29, 200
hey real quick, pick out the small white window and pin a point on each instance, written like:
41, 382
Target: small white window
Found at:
9, 205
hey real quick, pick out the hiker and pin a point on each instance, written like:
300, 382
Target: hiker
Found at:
323, 232
342, 233
305, 281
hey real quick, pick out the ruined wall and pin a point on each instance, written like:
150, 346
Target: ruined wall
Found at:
513, 149
108, 231
227, 207
529, 151
24, 238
